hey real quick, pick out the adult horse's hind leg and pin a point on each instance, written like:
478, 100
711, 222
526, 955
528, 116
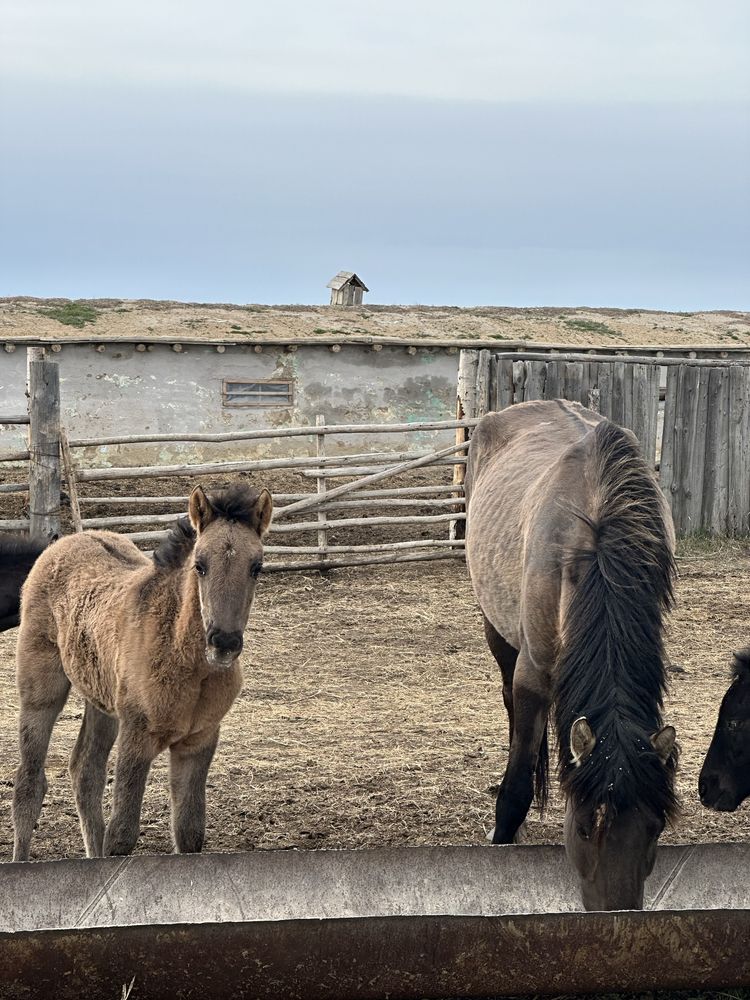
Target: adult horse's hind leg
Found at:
43, 690
189, 762
506, 657
531, 704
88, 771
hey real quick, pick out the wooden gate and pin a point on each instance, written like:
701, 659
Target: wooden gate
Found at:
696, 430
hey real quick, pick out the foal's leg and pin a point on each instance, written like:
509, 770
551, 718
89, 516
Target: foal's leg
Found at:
506, 657
43, 690
135, 753
88, 771
189, 762
532, 695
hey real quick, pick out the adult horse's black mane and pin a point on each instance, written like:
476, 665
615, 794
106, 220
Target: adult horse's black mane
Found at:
611, 664
18, 553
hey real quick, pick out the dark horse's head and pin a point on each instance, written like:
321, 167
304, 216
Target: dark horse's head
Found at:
724, 781
225, 538
617, 759
615, 815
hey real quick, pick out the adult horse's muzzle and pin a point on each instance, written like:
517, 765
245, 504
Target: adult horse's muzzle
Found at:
223, 648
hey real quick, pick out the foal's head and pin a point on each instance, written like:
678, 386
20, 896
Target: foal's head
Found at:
228, 556
620, 793
724, 781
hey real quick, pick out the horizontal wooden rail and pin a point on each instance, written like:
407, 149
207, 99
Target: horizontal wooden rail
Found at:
20, 418
18, 524
327, 564
254, 465
406, 491
348, 522
264, 433
15, 456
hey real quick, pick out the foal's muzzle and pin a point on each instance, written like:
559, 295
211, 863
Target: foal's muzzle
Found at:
223, 646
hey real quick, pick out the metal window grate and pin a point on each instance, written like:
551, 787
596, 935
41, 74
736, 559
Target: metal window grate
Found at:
265, 393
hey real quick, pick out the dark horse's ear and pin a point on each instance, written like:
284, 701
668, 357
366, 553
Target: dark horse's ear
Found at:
663, 742
200, 510
263, 513
582, 740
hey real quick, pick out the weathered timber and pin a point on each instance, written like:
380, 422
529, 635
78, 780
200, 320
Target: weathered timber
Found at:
44, 448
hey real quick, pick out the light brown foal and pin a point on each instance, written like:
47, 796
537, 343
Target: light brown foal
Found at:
152, 645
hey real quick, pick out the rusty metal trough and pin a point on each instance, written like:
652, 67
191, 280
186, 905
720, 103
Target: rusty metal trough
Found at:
411, 922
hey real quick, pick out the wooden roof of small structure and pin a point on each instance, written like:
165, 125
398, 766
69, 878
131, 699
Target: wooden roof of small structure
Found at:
346, 278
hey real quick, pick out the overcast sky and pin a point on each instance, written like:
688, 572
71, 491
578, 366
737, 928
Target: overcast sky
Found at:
525, 152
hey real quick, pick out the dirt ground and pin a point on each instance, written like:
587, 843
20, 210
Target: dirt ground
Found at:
59, 319
372, 715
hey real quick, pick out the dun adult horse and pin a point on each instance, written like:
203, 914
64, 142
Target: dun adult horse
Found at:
724, 781
18, 553
152, 645
570, 551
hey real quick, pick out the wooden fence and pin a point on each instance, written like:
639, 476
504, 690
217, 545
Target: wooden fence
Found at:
435, 505
692, 414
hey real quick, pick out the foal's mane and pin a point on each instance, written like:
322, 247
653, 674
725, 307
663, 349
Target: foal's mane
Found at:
235, 503
611, 662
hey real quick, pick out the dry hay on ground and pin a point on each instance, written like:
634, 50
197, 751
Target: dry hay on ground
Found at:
372, 715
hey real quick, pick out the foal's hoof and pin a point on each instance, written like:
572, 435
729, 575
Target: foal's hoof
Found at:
491, 834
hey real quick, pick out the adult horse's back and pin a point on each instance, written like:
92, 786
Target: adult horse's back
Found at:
570, 550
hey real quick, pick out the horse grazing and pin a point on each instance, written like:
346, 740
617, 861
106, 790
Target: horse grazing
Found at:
18, 553
152, 645
570, 550
724, 781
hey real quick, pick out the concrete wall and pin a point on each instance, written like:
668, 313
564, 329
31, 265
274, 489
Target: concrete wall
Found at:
120, 390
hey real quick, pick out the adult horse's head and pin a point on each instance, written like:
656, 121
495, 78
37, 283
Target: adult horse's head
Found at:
724, 781
615, 814
228, 556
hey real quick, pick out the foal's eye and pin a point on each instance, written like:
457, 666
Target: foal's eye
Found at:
583, 833
200, 569
255, 569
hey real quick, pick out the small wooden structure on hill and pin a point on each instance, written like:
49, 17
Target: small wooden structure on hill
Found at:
346, 289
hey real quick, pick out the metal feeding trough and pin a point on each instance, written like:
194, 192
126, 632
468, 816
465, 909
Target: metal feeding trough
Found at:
410, 922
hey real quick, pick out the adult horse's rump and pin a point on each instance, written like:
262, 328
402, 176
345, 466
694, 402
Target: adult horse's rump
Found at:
570, 550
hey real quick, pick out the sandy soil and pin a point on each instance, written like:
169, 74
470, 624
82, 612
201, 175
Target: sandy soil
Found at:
372, 715
33, 318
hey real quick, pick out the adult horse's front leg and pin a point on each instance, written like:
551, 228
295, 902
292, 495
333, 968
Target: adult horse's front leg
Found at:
189, 761
136, 750
532, 696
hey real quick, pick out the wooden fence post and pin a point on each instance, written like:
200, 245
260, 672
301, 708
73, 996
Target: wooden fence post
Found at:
71, 480
44, 448
322, 487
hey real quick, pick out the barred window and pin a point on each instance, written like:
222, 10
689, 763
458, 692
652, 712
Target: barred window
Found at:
265, 393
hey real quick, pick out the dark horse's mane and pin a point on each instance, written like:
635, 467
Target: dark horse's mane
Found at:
235, 503
611, 663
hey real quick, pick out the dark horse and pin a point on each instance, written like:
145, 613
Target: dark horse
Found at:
18, 553
724, 781
570, 550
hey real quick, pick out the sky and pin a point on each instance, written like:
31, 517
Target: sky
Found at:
513, 152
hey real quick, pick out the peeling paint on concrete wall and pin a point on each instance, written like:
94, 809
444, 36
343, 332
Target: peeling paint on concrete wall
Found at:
121, 390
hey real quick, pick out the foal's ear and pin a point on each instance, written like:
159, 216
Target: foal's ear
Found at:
263, 513
663, 742
200, 510
582, 740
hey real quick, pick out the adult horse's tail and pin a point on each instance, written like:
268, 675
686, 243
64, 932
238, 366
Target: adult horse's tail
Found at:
611, 663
